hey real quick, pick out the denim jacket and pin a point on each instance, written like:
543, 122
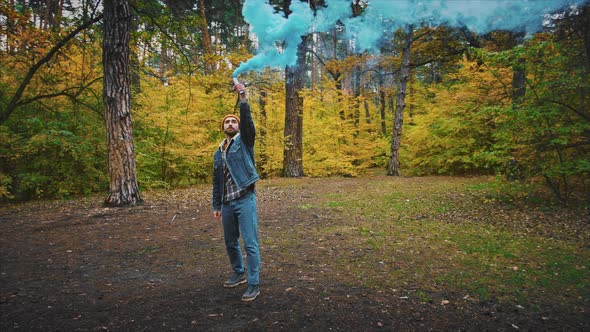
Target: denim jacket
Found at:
239, 159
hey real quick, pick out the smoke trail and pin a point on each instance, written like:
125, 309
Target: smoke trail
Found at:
380, 16
477, 15
271, 28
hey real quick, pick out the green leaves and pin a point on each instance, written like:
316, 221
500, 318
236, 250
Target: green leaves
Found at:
474, 124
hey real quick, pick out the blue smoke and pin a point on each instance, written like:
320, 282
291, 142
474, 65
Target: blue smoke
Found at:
278, 37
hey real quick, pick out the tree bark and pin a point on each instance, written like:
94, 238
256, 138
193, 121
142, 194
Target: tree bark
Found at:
293, 149
382, 101
123, 188
518, 73
393, 166
337, 74
518, 82
206, 40
357, 94
58, 15
262, 163
10, 28
585, 14
411, 94
314, 64
134, 62
367, 112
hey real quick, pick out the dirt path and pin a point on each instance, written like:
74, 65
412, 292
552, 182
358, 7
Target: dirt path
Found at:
76, 267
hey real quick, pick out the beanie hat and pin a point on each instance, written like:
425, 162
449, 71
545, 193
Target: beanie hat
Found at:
229, 116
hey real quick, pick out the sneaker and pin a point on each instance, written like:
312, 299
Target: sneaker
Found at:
251, 293
235, 280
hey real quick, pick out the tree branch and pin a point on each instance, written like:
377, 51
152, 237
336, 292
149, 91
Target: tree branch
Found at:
424, 34
14, 101
317, 56
60, 93
165, 33
585, 116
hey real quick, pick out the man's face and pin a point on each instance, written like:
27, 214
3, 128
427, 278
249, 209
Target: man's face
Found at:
231, 126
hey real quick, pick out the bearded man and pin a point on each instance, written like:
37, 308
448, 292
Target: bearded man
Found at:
234, 196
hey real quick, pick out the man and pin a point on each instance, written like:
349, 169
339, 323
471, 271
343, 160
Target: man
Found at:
234, 196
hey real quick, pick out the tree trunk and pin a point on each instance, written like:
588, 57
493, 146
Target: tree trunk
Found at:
163, 61
382, 105
10, 29
435, 74
518, 82
337, 74
134, 62
585, 14
45, 16
393, 166
123, 188
411, 95
367, 112
57, 15
314, 64
206, 40
357, 95
262, 133
293, 149
518, 74
382, 102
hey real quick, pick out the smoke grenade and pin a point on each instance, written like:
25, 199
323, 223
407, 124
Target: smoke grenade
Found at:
237, 84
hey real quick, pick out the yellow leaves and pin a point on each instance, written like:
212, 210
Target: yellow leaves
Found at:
451, 130
75, 65
334, 66
179, 127
336, 146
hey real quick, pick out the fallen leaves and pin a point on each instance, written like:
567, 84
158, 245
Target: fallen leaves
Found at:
313, 292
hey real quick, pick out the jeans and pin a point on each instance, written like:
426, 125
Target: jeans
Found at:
240, 216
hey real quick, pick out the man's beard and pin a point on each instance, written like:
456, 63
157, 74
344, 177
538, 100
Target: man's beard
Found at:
230, 133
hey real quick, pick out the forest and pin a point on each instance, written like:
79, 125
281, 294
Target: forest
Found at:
425, 164
431, 99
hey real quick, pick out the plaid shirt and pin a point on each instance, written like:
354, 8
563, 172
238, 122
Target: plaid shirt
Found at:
231, 190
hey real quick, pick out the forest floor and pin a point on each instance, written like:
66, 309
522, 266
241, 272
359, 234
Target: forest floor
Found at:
350, 254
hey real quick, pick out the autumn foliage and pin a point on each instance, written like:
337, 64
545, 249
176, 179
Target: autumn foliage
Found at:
461, 118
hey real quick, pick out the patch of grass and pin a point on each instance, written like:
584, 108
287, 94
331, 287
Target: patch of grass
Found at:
335, 204
467, 256
443, 207
511, 192
489, 245
148, 251
306, 206
480, 186
435, 234
493, 263
423, 296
